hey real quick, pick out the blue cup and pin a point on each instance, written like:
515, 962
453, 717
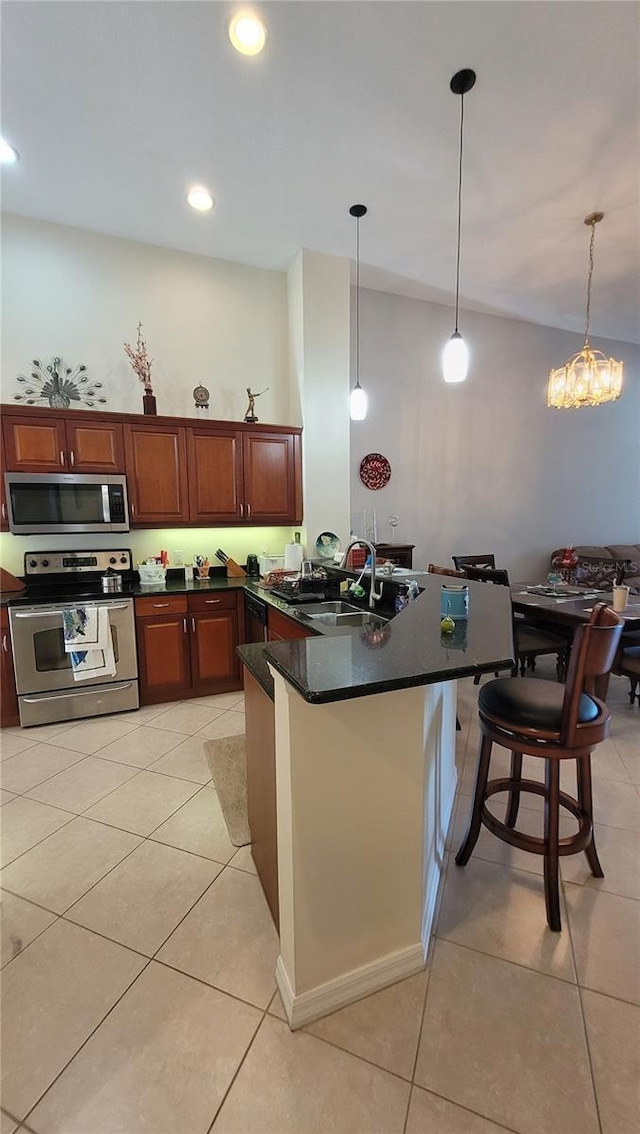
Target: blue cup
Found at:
454, 601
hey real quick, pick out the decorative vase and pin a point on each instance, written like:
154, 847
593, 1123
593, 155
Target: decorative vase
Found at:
149, 404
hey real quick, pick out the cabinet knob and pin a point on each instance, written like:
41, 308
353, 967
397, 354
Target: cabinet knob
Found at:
211, 601
62, 457
193, 625
72, 457
248, 511
184, 625
159, 605
4, 511
5, 644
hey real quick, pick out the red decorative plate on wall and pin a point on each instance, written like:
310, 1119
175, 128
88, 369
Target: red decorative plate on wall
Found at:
375, 471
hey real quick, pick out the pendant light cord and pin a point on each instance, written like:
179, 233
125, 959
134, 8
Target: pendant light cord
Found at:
459, 208
591, 243
357, 301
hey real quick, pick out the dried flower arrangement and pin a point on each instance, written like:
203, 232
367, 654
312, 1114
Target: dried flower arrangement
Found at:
141, 362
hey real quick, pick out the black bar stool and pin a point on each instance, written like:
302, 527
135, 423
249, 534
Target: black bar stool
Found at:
555, 722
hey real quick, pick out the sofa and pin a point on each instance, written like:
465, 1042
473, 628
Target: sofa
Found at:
598, 566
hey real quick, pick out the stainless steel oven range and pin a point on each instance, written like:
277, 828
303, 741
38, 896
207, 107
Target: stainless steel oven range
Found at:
58, 581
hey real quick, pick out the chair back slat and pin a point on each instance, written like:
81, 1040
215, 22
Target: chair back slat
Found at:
496, 575
462, 561
434, 570
592, 655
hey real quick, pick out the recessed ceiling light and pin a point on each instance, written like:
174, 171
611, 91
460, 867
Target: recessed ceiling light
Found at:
7, 153
247, 34
200, 199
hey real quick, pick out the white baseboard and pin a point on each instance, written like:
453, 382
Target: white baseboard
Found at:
350, 986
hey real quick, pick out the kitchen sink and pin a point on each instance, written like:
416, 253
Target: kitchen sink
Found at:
341, 614
364, 618
337, 607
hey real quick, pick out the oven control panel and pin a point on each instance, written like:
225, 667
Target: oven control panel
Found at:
39, 563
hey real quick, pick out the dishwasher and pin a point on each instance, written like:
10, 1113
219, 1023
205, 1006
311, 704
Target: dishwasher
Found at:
256, 618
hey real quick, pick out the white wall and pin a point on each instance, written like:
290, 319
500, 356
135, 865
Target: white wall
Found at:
80, 295
485, 465
319, 344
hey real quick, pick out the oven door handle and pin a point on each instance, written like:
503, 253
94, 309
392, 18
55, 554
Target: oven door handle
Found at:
79, 693
46, 613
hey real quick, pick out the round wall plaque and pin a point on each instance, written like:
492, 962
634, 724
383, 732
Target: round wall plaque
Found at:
375, 471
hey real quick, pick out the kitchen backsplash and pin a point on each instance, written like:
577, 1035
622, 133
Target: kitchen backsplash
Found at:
237, 542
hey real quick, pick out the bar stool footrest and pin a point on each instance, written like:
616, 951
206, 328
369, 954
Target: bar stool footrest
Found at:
572, 844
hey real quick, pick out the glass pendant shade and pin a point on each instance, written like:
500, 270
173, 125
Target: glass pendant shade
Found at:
587, 379
455, 359
358, 404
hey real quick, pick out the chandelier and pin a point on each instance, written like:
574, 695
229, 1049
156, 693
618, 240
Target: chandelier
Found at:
589, 378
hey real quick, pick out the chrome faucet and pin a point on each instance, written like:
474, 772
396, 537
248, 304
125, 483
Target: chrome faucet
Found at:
374, 595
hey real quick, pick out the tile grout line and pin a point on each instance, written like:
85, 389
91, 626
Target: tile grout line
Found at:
582, 1015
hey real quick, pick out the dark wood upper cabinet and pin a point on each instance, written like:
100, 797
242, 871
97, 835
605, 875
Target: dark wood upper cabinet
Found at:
95, 448
34, 444
215, 475
178, 472
271, 484
156, 461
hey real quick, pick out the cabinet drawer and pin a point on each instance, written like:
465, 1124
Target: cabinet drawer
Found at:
214, 600
161, 604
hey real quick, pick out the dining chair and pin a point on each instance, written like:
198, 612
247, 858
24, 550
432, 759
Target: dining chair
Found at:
462, 561
627, 663
531, 641
434, 570
540, 719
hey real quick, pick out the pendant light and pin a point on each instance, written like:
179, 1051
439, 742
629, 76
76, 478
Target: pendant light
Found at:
358, 402
455, 356
588, 378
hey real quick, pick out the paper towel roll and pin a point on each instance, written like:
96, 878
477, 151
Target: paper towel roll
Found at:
293, 556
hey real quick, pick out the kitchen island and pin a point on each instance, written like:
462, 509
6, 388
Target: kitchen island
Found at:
365, 781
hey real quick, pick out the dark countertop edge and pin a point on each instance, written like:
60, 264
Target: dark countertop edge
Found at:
352, 692
252, 656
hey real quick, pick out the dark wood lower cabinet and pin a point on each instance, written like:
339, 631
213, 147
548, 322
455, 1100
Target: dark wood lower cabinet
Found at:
261, 788
162, 632
9, 716
187, 645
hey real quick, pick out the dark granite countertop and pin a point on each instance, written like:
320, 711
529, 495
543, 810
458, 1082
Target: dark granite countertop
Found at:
340, 663
408, 651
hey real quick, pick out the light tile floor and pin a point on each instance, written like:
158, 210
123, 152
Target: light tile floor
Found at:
138, 957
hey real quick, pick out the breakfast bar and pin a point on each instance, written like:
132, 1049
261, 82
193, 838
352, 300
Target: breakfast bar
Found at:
365, 782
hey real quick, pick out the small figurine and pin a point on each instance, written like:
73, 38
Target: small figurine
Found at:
250, 416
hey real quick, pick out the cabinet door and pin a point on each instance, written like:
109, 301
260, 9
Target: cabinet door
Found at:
95, 448
34, 445
271, 479
163, 657
8, 697
215, 664
215, 475
4, 515
156, 462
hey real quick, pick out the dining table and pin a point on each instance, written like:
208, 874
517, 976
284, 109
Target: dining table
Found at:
563, 608
567, 606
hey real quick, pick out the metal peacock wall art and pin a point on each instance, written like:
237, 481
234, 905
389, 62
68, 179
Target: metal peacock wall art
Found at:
59, 386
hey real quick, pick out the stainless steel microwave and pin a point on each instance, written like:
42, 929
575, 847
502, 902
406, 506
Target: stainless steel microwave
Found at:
66, 502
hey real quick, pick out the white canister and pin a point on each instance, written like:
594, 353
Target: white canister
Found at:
293, 556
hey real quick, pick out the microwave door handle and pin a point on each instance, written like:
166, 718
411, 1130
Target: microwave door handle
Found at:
106, 510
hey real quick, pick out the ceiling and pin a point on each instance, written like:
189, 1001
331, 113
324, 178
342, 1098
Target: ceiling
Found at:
118, 107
